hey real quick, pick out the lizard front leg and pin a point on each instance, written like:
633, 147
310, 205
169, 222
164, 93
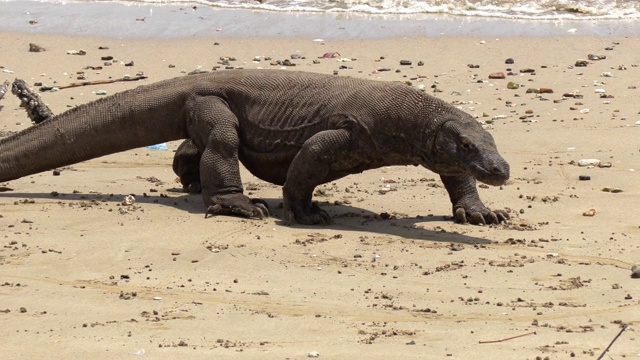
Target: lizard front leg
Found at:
323, 157
214, 129
467, 206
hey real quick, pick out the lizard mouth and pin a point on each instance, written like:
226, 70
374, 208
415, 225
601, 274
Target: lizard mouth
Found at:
495, 175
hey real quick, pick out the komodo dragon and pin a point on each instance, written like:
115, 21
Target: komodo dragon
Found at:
294, 129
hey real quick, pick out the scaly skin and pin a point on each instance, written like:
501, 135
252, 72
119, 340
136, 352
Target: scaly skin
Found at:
294, 129
186, 163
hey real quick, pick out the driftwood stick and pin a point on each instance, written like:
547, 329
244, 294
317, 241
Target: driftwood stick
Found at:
505, 339
612, 341
4, 88
36, 109
93, 82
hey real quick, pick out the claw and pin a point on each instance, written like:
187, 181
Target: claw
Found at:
193, 188
212, 210
477, 219
309, 216
237, 204
461, 216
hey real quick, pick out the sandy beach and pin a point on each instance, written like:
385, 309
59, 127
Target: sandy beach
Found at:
83, 275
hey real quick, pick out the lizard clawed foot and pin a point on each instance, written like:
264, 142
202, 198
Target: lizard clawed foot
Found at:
192, 188
237, 204
479, 215
312, 215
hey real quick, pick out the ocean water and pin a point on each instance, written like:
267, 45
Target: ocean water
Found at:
508, 9
328, 19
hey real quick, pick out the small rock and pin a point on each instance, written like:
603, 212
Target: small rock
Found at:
129, 200
588, 162
635, 271
295, 56
584, 177
581, 63
76, 52
590, 213
35, 48
405, 62
512, 85
314, 354
456, 247
527, 71
611, 190
596, 57
497, 75
101, 92
546, 91
331, 55
509, 61
420, 63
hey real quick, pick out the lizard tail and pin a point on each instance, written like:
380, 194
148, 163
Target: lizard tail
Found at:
135, 118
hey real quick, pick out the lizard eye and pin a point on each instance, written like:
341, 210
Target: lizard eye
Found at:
465, 145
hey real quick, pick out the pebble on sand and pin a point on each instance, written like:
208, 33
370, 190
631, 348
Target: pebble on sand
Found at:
35, 48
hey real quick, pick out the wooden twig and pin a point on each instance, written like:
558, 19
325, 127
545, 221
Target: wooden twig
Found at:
93, 82
505, 339
612, 341
36, 109
4, 88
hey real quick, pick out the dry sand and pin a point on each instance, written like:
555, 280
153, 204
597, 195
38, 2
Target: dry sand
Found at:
84, 276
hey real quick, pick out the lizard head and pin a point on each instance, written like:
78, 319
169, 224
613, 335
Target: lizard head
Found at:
464, 147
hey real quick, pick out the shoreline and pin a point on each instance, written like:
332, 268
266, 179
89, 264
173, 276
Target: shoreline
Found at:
145, 21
